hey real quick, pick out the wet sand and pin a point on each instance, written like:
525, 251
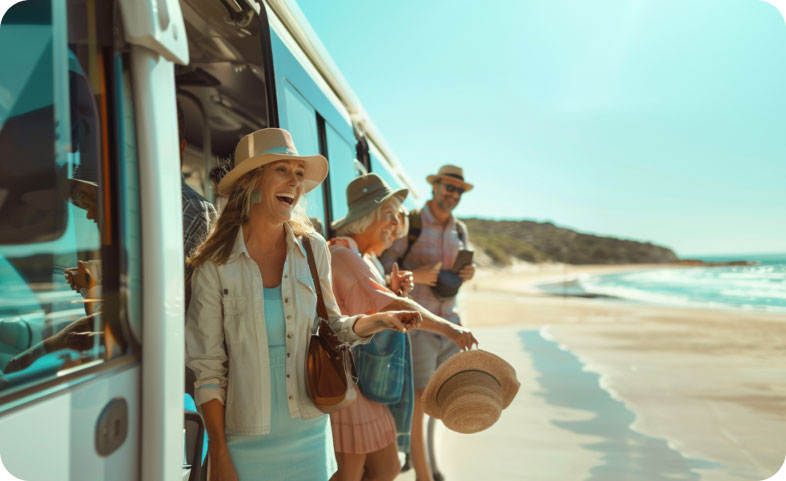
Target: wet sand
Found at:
613, 389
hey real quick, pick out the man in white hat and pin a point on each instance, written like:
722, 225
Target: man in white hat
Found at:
429, 250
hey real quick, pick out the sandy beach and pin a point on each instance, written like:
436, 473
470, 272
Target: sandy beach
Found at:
617, 390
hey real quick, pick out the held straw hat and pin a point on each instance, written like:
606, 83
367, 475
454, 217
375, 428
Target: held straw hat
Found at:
470, 390
451, 172
269, 145
364, 194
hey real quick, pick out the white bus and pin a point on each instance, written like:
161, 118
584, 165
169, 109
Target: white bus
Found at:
92, 381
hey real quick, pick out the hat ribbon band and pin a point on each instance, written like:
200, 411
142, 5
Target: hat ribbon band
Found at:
455, 176
462, 372
279, 150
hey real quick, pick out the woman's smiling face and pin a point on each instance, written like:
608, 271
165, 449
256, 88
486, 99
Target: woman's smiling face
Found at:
281, 186
383, 230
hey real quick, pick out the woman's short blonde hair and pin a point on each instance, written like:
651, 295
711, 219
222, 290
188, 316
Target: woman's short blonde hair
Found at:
403, 226
359, 226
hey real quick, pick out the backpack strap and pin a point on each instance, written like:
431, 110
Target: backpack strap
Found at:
462, 233
415, 227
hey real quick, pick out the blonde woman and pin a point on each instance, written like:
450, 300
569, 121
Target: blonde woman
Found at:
367, 434
250, 317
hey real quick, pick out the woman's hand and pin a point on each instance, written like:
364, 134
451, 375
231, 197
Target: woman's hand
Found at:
78, 277
401, 282
400, 321
427, 274
221, 467
462, 337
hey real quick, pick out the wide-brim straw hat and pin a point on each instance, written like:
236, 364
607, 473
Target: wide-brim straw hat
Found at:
453, 173
364, 194
469, 391
269, 145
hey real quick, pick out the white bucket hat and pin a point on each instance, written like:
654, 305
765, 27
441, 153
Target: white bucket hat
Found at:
269, 145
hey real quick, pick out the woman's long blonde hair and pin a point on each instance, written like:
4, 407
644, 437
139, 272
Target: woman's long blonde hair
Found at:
219, 243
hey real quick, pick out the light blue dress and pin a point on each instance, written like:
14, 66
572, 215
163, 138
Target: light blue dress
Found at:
294, 449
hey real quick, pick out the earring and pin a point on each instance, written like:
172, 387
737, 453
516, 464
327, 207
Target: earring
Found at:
256, 196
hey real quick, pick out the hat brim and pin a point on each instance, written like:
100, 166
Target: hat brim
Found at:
474, 360
465, 185
316, 170
368, 208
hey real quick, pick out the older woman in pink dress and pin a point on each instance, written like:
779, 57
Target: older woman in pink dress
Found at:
364, 434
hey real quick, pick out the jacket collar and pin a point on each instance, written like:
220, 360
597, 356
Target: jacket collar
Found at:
293, 243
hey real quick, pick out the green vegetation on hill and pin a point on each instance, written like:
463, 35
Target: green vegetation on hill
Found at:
505, 240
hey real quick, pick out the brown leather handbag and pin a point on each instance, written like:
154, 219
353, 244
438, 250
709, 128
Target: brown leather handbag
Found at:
330, 369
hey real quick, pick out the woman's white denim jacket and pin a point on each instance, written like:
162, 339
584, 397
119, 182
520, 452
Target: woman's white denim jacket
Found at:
226, 338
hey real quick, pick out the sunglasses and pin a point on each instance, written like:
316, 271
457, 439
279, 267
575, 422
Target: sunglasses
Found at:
453, 189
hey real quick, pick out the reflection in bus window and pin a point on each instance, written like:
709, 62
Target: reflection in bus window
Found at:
301, 122
341, 156
53, 190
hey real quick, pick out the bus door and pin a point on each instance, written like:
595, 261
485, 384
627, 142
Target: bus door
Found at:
70, 303
319, 124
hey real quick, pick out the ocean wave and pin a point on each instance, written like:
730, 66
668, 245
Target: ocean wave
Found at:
743, 287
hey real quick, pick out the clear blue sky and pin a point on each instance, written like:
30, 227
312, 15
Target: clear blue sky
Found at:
656, 120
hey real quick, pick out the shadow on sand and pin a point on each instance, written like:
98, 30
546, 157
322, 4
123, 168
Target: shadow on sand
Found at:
628, 455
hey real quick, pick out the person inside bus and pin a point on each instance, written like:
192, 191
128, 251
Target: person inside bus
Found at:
198, 213
440, 238
249, 321
85, 278
365, 433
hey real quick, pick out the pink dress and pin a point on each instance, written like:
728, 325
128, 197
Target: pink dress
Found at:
365, 426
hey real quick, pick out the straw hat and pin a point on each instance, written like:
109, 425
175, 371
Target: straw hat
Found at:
269, 145
364, 194
451, 172
470, 390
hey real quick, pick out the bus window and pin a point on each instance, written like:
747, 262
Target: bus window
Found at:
301, 122
59, 306
342, 169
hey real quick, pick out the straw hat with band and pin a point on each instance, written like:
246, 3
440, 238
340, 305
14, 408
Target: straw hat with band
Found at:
469, 391
269, 145
453, 173
364, 194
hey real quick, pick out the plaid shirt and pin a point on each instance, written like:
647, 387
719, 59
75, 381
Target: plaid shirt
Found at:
198, 216
436, 243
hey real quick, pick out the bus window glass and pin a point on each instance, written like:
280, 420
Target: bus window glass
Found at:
56, 165
342, 169
301, 122
381, 169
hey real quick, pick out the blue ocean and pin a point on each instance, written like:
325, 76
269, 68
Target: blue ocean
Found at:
759, 287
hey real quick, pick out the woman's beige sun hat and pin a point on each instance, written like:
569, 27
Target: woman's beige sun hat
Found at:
364, 194
269, 145
469, 391
453, 173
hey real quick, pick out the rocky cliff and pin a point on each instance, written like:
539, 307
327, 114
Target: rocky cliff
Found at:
504, 240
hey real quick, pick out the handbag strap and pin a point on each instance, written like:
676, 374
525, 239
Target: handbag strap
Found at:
321, 310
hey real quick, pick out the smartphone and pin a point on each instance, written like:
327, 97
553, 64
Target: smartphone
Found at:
463, 259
